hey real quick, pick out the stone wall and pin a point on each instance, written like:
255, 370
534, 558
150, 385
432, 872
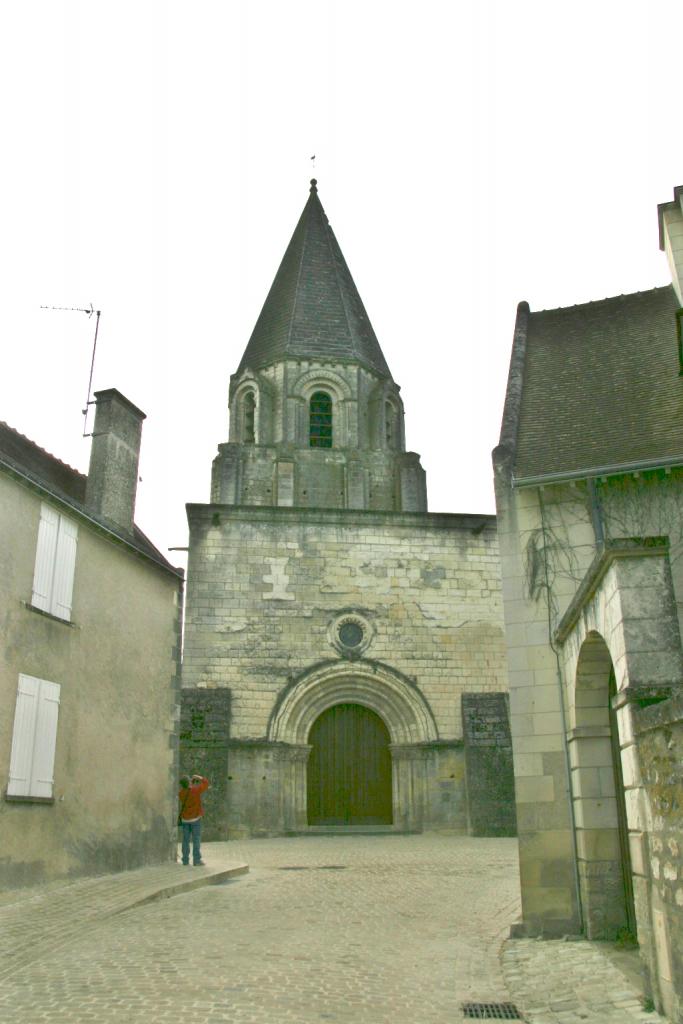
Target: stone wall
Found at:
488, 764
544, 821
659, 736
203, 742
548, 540
264, 586
267, 590
622, 621
366, 467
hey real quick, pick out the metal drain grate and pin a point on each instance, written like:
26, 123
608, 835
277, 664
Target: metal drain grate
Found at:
317, 867
488, 1011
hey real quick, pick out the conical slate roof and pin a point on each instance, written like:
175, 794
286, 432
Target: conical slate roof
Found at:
313, 309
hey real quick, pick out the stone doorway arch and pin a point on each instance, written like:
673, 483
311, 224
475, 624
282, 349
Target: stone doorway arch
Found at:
604, 861
381, 689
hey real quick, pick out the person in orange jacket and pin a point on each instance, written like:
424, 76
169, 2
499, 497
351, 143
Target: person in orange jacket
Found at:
191, 814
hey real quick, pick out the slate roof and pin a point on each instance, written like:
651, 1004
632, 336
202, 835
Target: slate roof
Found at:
67, 485
313, 309
600, 386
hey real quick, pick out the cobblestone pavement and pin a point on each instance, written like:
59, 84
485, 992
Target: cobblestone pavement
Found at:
561, 982
369, 929
37, 921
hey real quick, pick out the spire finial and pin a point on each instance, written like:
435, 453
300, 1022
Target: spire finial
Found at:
314, 185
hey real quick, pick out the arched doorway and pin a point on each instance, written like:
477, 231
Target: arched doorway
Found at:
599, 798
395, 700
349, 768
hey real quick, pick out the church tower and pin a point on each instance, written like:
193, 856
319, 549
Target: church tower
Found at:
332, 623
316, 420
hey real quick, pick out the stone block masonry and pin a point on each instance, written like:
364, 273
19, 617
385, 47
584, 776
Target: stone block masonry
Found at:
659, 733
488, 764
268, 591
204, 737
266, 583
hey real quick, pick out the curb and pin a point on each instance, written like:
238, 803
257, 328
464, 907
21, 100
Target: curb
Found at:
37, 940
176, 888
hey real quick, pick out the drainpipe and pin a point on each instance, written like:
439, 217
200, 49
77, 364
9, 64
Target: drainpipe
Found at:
565, 745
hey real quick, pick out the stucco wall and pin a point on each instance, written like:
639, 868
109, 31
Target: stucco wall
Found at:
116, 663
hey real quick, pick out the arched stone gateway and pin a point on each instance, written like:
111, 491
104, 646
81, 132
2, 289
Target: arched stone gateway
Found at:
604, 861
380, 689
620, 649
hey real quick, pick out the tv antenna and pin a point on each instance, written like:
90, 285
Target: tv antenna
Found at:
89, 312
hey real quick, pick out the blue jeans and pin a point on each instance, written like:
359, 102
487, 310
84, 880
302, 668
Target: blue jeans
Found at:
194, 829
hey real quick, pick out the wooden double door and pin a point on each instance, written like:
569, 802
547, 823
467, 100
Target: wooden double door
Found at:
349, 768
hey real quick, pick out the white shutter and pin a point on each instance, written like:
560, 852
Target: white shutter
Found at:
65, 563
42, 773
45, 558
23, 736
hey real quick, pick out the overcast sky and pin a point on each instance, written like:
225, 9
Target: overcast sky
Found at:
469, 155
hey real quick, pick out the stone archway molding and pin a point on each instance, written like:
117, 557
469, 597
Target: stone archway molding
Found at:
597, 759
376, 686
323, 377
624, 618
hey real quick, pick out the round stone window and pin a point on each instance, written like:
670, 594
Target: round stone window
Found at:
351, 634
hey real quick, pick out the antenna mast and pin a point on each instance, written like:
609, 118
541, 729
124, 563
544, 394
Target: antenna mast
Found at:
97, 312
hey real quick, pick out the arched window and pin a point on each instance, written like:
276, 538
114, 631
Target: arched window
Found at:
249, 417
320, 420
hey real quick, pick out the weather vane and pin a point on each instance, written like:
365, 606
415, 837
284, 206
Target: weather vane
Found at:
313, 161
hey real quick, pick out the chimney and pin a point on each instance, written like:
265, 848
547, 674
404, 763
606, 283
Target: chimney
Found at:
114, 456
671, 238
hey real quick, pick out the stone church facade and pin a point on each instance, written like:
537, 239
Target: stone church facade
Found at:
339, 618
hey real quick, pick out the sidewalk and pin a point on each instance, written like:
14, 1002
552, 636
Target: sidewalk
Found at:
41, 919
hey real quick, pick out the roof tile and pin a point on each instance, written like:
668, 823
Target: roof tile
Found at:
66, 484
313, 309
601, 386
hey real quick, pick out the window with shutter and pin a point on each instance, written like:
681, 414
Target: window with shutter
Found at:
53, 578
34, 738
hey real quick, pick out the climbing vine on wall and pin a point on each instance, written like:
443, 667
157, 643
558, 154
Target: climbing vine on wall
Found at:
573, 525
549, 555
647, 505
